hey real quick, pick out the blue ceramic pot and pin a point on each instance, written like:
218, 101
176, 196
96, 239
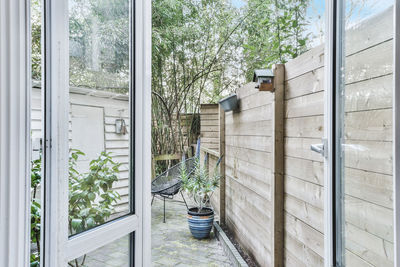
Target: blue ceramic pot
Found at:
200, 224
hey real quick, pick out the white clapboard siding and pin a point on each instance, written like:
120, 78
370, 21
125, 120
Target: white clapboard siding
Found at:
117, 144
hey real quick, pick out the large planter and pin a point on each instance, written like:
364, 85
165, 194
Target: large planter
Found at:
200, 224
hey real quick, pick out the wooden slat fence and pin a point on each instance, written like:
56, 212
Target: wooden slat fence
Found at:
251, 147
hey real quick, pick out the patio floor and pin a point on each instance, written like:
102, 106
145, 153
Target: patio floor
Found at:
172, 243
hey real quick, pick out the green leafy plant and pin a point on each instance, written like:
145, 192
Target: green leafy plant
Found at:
199, 184
35, 231
90, 194
91, 197
36, 177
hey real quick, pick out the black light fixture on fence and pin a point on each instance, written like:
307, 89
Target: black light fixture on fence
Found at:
264, 79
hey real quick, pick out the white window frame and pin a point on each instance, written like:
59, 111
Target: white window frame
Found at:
58, 249
15, 144
330, 21
396, 131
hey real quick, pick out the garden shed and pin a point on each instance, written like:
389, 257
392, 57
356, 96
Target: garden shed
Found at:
92, 129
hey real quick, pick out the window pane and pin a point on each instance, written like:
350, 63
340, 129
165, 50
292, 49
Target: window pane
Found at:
115, 254
100, 132
365, 136
36, 133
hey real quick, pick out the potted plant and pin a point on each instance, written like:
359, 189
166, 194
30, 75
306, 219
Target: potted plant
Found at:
200, 186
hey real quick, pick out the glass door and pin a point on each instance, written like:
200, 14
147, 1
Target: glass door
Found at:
363, 134
95, 133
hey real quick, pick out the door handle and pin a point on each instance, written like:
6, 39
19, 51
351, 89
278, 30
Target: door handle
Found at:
321, 148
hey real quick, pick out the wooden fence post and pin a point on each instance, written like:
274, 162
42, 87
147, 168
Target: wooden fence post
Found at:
222, 164
277, 165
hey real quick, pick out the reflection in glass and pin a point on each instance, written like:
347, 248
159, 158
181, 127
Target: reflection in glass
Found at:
365, 196
115, 254
36, 133
99, 125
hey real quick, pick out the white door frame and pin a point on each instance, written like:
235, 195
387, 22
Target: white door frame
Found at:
15, 145
58, 249
330, 44
330, 70
396, 131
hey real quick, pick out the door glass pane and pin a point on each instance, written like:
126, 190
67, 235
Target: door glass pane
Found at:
364, 135
36, 122
115, 254
99, 125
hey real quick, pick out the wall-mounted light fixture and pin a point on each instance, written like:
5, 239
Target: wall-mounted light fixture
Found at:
120, 125
264, 79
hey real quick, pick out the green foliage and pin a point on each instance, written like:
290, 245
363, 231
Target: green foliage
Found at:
274, 33
199, 185
36, 178
36, 175
195, 59
90, 194
35, 231
99, 44
91, 197
36, 37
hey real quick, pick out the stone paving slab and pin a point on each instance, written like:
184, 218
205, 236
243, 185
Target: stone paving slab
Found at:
172, 243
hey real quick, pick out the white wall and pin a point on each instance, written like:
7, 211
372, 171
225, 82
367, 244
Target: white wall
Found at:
92, 130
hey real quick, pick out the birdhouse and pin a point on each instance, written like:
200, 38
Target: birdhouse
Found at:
264, 79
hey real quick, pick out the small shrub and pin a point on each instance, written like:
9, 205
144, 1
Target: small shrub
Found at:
91, 197
199, 185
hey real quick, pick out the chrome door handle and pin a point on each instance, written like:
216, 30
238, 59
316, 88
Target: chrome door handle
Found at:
321, 148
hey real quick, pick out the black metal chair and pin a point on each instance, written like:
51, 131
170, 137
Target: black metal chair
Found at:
168, 183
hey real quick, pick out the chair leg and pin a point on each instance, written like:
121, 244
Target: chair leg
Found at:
184, 200
164, 209
152, 200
